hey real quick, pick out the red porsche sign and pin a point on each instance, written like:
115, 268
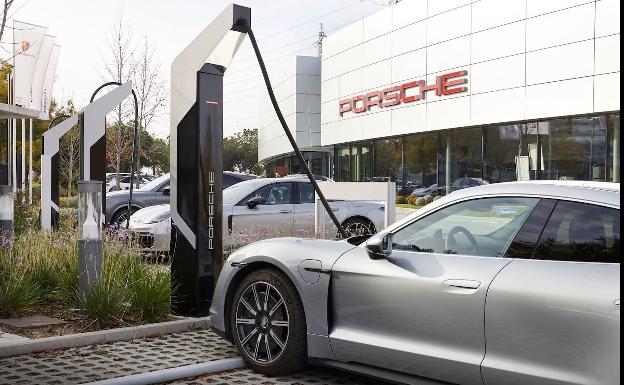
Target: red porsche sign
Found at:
446, 84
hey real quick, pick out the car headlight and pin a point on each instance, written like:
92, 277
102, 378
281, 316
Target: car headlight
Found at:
158, 218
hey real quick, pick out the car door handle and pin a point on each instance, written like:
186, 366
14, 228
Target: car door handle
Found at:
617, 302
285, 211
334, 209
462, 283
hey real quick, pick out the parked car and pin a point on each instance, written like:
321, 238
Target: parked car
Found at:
155, 192
531, 268
124, 182
458, 184
284, 204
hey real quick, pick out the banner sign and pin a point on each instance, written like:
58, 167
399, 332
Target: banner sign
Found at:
40, 71
28, 40
48, 83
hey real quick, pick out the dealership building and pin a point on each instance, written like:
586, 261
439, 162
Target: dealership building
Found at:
431, 92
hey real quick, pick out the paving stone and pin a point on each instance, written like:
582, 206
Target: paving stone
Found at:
312, 376
99, 362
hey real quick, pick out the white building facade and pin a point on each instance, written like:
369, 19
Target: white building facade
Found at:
432, 91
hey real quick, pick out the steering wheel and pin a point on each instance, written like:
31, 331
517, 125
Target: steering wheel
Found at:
451, 243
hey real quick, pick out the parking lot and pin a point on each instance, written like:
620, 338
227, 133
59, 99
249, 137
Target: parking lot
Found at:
124, 358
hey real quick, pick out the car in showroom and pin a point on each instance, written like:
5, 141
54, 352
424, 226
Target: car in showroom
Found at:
155, 192
266, 207
512, 283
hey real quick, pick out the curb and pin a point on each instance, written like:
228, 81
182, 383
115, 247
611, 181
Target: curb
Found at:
104, 336
172, 374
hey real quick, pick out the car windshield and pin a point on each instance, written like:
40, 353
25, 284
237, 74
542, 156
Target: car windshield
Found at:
235, 193
153, 185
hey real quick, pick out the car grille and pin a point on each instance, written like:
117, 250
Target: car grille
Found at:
144, 240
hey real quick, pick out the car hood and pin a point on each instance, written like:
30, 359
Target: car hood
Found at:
149, 212
289, 252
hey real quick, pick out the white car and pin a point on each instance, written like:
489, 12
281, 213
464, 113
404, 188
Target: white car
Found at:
124, 182
262, 208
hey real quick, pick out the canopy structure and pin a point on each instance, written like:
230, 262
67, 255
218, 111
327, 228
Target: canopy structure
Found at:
8, 111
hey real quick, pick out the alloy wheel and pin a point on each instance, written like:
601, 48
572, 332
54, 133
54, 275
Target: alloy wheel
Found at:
262, 322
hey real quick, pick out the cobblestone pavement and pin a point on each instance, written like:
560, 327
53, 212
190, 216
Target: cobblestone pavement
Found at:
313, 376
99, 362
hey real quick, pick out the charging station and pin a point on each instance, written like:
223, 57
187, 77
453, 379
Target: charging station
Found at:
51, 139
197, 158
92, 121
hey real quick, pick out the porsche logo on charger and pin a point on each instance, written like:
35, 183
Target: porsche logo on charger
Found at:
447, 84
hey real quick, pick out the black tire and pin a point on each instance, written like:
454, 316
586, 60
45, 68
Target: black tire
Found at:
120, 215
292, 356
357, 227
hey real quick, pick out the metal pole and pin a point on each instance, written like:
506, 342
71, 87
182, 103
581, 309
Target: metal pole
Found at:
30, 164
23, 156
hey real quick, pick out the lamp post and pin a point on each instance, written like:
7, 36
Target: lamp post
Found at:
6, 213
89, 233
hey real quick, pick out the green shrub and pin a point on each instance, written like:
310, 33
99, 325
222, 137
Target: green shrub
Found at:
421, 201
151, 295
400, 200
17, 291
428, 199
437, 197
411, 200
104, 304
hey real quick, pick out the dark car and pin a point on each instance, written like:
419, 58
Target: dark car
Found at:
458, 184
155, 192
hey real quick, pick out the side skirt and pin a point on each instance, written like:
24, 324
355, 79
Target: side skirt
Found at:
376, 373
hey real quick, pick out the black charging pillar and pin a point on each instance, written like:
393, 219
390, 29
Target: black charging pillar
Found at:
200, 196
197, 160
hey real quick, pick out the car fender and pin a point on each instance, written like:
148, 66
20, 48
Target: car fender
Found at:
286, 255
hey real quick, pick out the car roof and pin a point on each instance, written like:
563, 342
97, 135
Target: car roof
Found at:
599, 192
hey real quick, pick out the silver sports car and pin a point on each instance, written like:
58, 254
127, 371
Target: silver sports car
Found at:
512, 283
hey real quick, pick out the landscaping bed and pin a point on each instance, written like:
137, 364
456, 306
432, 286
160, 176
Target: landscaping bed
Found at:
39, 277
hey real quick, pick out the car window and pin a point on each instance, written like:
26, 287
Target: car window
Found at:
481, 227
306, 193
275, 194
581, 232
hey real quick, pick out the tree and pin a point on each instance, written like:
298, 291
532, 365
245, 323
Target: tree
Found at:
7, 5
150, 90
240, 152
69, 149
120, 68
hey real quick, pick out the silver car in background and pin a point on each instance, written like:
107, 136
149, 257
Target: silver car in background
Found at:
512, 283
260, 209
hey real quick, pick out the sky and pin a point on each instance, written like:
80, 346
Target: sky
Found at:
283, 28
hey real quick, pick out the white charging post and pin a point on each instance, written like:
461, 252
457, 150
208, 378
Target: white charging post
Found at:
356, 191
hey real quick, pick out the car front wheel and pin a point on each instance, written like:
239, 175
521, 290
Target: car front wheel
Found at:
268, 323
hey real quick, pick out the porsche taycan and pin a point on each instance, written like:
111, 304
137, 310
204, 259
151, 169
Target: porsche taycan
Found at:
511, 283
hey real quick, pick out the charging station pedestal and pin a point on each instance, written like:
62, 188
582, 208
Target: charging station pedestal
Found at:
200, 197
197, 160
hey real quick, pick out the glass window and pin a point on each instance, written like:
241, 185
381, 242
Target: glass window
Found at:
481, 227
581, 232
613, 156
460, 156
502, 144
565, 148
388, 160
342, 159
275, 194
229, 180
306, 193
420, 166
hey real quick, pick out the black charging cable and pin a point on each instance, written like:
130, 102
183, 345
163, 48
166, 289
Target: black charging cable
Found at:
278, 111
134, 143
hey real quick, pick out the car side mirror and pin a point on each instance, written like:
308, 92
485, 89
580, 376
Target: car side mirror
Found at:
379, 247
255, 201
166, 191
